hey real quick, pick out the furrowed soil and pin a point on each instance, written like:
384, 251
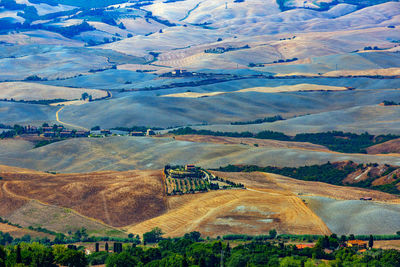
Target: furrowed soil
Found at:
112, 198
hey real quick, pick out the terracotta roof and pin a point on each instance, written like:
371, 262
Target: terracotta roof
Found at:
301, 246
357, 242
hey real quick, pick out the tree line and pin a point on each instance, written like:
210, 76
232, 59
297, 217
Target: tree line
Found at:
334, 140
193, 250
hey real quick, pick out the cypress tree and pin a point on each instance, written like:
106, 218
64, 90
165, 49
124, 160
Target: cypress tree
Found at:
19, 257
371, 241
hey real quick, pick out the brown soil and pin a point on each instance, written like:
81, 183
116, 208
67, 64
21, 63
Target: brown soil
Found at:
115, 198
16, 232
392, 146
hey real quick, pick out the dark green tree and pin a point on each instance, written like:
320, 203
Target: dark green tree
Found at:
371, 241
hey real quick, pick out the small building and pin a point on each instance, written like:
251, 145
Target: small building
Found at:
303, 246
136, 133
82, 134
366, 198
47, 129
150, 132
357, 244
31, 129
65, 134
190, 168
119, 132
105, 131
49, 134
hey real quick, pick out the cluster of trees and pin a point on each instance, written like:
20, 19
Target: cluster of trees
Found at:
286, 60
371, 48
86, 96
390, 103
221, 50
334, 140
36, 102
230, 183
328, 173
192, 250
390, 188
259, 121
189, 185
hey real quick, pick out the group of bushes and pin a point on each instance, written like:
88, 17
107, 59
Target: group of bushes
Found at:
259, 121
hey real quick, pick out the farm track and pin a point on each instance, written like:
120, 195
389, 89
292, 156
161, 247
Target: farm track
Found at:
67, 124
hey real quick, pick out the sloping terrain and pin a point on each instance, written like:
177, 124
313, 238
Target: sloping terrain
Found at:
392, 146
33, 91
356, 216
270, 202
114, 198
126, 153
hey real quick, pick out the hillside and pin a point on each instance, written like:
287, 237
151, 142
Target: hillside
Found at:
143, 153
111, 198
270, 201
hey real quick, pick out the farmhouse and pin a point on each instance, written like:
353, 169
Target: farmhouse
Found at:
31, 129
357, 244
82, 134
303, 246
190, 167
49, 134
47, 129
136, 133
105, 131
65, 134
150, 132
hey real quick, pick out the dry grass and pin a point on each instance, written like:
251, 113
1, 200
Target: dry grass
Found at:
268, 181
16, 232
392, 146
294, 88
304, 87
234, 212
387, 244
249, 141
370, 72
35, 91
115, 198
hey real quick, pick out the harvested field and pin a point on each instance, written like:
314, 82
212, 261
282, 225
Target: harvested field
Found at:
295, 88
35, 91
387, 244
356, 216
268, 181
389, 147
115, 198
370, 72
250, 141
235, 212
279, 89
